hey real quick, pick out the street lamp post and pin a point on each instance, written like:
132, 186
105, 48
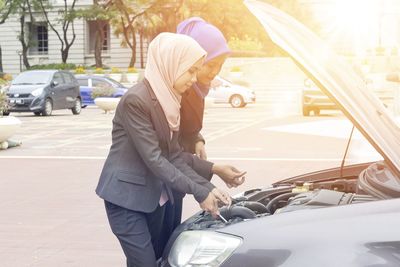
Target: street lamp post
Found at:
19, 52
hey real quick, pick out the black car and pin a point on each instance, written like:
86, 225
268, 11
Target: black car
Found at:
42, 91
346, 216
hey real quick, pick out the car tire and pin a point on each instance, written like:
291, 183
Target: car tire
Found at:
6, 113
48, 107
236, 101
37, 113
76, 110
306, 111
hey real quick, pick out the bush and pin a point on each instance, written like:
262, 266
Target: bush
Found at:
3, 102
115, 70
54, 66
103, 90
80, 70
236, 69
3, 82
246, 44
132, 70
99, 71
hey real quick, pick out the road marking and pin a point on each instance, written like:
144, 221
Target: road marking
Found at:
211, 158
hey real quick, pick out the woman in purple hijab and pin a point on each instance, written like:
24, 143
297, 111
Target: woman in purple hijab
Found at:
213, 41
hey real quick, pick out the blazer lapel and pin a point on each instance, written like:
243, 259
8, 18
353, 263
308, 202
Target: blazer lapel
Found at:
162, 125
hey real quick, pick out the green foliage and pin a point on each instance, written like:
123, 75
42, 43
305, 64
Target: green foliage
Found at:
99, 71
54, 66
3, 101
80, 70
246, 44
115, 70
236, 69
132, 70
237, 23
103, 90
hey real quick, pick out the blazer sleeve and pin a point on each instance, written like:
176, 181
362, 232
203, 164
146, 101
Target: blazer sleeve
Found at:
138, 125
202, 167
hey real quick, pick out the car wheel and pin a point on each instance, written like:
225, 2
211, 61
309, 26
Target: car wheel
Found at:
306, 111
48, 107
6, 113
37, 113
236, 101
77, 106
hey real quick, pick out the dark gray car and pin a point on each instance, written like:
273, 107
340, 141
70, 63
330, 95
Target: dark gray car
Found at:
42, 91
346, 216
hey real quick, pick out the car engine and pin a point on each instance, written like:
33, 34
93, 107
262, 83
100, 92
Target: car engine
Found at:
286, 197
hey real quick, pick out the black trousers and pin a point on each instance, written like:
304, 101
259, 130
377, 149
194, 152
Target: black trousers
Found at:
140, 234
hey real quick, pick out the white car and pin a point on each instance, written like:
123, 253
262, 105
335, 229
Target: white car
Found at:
223, 91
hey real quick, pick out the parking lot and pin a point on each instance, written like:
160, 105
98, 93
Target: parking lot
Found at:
52, 217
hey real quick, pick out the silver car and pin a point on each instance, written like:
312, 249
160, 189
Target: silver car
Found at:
224, 91
346, 216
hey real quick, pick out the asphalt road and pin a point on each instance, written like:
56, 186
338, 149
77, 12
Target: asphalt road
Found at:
50, 215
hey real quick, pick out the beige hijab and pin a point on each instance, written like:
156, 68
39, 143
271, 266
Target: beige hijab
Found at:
169, 56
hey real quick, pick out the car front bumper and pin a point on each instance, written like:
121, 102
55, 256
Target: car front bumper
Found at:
26, 104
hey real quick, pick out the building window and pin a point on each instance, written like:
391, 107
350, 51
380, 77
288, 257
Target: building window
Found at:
40, 39
92, 26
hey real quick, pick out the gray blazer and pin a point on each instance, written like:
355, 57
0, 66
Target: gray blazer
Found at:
143, 157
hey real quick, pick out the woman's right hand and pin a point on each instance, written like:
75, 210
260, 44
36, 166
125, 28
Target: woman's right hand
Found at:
210, 204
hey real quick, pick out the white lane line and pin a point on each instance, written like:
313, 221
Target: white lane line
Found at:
52, 157
229, 130
212, 158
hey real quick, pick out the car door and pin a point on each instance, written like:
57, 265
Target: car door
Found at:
86, 90
57, 93
218, 91
70, 89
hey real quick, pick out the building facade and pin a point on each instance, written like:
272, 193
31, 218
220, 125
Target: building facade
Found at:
46, 47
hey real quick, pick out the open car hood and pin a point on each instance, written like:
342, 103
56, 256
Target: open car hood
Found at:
335, 78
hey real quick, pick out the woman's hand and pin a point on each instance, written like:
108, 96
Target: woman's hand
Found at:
210, 204
224, 197
229, 174
200, 150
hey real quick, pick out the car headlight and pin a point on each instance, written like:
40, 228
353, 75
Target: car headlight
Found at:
37, 92
202, 248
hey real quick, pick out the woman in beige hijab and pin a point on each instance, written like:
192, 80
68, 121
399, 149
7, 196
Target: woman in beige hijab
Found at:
145, 162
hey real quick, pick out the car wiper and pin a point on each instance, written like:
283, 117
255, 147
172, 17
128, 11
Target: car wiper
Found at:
22, 83
345, 152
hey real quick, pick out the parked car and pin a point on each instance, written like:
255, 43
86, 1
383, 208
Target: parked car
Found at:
313, 99
345, 216
224, 91
87, 83
42, 91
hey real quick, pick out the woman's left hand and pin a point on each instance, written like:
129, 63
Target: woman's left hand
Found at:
224, 197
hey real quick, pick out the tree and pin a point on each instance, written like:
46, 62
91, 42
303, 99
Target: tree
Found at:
133, 15
101, 13
238, 23
24, 7
67, 15
6, 8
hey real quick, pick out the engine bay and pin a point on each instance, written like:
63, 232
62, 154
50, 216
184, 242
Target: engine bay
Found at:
290, 196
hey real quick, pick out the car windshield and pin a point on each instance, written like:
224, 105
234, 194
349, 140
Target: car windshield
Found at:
115, 83
32, 78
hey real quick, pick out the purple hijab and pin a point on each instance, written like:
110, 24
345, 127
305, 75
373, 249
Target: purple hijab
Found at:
210, 39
